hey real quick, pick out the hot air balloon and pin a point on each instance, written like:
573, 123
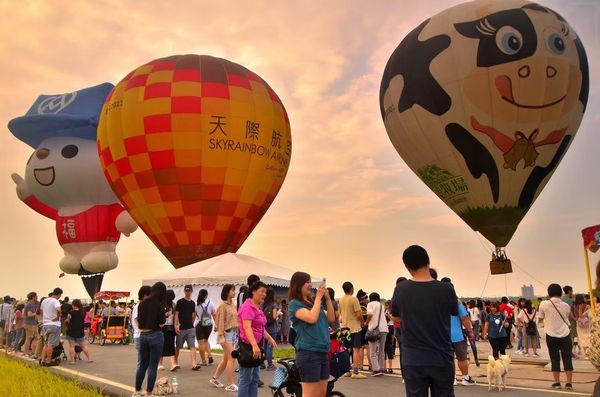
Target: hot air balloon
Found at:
64, 181
196, 148
482, 101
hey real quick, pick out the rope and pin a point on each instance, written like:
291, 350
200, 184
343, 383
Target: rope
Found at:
485, 285
529, 274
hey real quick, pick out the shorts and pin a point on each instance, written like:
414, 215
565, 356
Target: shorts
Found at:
356, 339
460, 350
231, 336
32, 331
51, 334
77, 341
203, 331
313, 366
186, 335
363, 338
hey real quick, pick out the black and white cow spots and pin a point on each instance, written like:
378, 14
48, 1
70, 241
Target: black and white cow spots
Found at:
411, 60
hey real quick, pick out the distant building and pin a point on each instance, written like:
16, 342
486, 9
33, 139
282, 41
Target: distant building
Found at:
527, 292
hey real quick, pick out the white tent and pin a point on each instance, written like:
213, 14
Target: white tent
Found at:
212, 274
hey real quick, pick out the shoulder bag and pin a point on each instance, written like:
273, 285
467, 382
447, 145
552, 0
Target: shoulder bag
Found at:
560, 314
2, 320
373, 335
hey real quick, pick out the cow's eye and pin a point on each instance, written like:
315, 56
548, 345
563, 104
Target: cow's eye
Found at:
69, 151
556, 43
509, 40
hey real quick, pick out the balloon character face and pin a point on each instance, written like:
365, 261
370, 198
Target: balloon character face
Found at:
482, 101
196, 148
64, 172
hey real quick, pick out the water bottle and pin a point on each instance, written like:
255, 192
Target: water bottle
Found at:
175, 384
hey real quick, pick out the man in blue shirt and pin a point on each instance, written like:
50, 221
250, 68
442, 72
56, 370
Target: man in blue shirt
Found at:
459, 342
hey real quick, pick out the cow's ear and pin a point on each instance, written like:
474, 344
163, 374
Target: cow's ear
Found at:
469, 29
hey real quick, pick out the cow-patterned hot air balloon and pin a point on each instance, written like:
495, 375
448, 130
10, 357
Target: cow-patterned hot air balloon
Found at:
196, 148
482, 101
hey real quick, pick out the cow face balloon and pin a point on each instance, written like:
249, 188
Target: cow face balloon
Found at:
482, 101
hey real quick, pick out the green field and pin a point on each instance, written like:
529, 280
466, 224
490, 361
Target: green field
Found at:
19, 379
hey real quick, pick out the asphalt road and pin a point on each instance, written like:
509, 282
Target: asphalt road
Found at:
114, 366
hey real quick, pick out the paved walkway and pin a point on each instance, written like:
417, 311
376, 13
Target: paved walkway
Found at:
113, 369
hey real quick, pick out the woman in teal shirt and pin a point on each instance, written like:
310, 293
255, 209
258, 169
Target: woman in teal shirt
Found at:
311, 325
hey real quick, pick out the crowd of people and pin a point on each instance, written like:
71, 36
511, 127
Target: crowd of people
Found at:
424, 322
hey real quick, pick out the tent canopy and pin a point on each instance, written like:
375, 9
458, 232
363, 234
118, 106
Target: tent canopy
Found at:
228, 268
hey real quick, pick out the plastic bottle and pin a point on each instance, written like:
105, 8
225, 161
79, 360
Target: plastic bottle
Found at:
175, 384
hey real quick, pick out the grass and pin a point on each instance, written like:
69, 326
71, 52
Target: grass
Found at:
280, 352
19, 379
497, 224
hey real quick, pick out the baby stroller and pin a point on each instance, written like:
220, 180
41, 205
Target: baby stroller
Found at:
58, 354
287, 377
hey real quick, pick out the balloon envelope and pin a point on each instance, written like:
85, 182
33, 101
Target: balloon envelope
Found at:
482, 101
196, 148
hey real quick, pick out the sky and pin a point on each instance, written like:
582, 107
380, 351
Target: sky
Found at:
349, 205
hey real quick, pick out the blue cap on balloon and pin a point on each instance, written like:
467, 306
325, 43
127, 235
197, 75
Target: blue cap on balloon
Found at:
73, 114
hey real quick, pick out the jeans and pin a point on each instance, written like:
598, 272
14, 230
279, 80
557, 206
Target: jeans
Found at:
272, 330
520, 336
248, 385
498, 345
150, 349
19, 333
558, 347
377, 350
420, 380
476, 329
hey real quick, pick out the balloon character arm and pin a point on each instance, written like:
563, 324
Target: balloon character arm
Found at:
26, 196
125, 223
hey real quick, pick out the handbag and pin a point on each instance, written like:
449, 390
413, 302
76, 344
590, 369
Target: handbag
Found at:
2, 321
246, 356
373, 335
340, 363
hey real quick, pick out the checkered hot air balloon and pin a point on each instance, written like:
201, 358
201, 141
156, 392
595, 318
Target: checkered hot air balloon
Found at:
196, 148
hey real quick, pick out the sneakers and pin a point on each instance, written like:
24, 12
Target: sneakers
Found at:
536, 355
377, 373
271, 367
137, 394
568, 386
519, 352
556, 385
232, 387
455, 382
468, 381
348, 374
358, 375
216, 383
210, 361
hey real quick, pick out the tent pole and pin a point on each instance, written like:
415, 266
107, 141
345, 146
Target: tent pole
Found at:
589, 277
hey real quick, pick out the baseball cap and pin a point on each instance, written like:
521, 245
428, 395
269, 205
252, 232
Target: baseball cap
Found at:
188, 287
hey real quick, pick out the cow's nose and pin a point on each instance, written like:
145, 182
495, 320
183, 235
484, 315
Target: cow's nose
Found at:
524, 71
550, 71
42, 153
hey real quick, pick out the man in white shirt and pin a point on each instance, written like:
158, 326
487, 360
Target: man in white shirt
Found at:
51, 324
555, 314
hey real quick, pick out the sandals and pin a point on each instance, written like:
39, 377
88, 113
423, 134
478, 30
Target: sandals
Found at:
196, 367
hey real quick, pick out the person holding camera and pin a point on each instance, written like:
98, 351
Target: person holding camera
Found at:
311, 324
252, 323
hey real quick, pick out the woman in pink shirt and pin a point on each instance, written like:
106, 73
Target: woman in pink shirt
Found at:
252, 322
19, 328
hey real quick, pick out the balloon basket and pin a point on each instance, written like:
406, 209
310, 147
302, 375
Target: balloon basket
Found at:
500, 264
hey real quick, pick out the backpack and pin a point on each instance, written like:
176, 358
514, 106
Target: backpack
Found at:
268, 311
531, 326
205, 319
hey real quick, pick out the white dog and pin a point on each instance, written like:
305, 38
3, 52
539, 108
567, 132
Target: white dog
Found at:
497, 371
